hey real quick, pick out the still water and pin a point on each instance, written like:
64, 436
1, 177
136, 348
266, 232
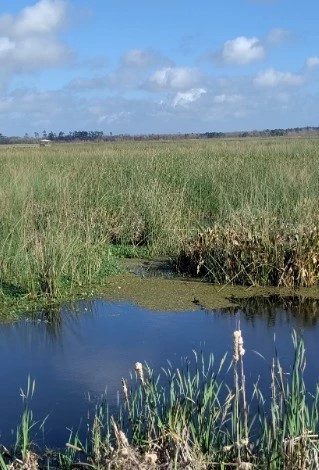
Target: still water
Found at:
92, 344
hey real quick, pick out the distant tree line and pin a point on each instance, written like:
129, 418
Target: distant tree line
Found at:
99, 136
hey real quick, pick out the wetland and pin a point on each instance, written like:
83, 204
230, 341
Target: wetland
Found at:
79, 353
154, 254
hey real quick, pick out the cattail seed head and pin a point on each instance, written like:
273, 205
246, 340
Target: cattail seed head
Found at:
124, 386
125, 391
139, 370
238, 343
123, 439
236, 335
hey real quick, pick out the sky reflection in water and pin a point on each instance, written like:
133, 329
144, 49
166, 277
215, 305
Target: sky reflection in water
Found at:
92, 344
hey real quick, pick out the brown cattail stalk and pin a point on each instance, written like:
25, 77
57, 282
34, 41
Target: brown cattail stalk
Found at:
240, 386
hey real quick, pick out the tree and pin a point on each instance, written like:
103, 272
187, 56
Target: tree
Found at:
51, 135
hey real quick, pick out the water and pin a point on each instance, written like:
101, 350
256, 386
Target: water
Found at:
91, 345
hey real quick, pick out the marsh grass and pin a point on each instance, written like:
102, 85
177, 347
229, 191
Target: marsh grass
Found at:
198, 416
62, 207
24, 428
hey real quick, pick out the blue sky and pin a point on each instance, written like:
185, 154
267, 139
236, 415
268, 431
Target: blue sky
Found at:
146, 67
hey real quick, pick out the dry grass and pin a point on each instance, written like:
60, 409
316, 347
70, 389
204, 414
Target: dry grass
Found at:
282, 256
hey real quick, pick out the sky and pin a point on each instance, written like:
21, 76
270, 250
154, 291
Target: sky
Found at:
158, 67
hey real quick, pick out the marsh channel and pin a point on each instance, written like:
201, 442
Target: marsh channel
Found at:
79, 352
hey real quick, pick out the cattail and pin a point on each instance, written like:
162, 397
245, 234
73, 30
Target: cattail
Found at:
139, 369
124, 387
235, 345
238, 344
125, 393
120, 436
241, 349
123, 439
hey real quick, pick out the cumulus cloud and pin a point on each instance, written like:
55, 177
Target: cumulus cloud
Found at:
241, 50
187, 97
31, 53
175, 78
131, 72
43, 17
29, 39
273, 78
311, 62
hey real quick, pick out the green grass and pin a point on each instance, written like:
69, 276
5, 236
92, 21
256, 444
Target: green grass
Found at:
62, 206
198, 416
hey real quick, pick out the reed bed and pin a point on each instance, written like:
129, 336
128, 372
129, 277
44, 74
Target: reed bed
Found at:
281, 256
199, 416
64, 207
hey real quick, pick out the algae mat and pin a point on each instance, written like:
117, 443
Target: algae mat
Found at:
160, 293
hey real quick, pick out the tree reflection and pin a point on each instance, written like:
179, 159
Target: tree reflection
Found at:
304, 310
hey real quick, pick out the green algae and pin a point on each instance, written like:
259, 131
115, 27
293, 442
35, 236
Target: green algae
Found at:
160, 293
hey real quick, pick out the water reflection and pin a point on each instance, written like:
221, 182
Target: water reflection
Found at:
273, 308
87, 347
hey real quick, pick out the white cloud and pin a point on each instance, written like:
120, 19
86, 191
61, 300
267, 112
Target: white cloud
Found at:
28, 39
131, 73
187, 97
44, 17
31, 53
241, 50
277, 35
310, 62
6, 46
225, 105
41, 18
175, 78
273, 78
